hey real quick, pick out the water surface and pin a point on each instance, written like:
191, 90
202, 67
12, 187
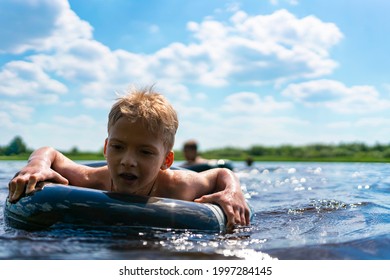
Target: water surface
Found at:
301, 211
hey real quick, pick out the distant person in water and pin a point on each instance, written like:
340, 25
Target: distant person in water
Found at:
190, 151
196, 163
249, 161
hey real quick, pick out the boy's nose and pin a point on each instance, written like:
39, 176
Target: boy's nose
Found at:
128, 159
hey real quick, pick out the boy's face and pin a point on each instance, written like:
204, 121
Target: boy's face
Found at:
190, 153
134, 157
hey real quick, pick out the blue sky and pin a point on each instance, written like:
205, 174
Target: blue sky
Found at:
239, 73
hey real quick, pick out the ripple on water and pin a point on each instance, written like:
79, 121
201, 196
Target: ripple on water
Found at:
301, 210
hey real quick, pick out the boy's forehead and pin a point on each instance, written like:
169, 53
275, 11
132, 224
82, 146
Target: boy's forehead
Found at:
127, 129
124, 125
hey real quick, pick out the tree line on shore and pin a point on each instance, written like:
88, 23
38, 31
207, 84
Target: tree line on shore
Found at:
16, 147
356, 151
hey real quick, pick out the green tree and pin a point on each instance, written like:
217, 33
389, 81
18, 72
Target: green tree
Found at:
74, 150
15, 147
258, 150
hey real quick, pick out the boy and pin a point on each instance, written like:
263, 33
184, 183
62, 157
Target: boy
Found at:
190, 151
141, 132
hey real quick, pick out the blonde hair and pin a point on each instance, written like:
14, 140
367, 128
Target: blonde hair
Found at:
149, 107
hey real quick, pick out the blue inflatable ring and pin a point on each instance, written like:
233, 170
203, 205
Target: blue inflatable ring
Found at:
210, 164
62, 205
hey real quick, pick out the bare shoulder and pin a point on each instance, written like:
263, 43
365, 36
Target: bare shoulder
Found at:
181, 184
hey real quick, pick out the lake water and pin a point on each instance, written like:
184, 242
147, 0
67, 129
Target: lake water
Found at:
301, 211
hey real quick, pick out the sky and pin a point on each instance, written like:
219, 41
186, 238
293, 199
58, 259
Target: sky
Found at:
239, 73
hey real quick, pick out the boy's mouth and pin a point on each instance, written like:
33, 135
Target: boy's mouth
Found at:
128, 176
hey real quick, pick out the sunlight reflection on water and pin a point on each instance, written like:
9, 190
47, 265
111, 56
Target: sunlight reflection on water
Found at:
301, 211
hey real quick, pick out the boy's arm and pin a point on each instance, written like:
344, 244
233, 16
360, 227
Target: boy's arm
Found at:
47, 164
220, 186
228, 195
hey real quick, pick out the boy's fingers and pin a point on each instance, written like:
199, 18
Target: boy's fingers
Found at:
16, 188
25, 183
58, 178
207, 198
11, 190
18, 192
34, 180
247, 217
229, 227
31, 184
229, 212
243, 219
238, 216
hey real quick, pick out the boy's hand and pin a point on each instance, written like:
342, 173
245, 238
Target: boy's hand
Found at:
26, 180
233, 204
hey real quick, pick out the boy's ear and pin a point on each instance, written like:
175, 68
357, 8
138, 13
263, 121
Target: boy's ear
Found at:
105, 148
168, 160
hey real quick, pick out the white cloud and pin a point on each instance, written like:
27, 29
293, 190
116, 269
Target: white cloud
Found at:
63, 134
337, 96
386, 86
250, 102
192, 114
153, 29
246, 50
315, 92
373, 122
6, 121
76, 121
244, 130
79, 61
96, 103
368, 129
363, 123
201, 96
277, 2
339, 125
19, 111
28, 23
39, 25
21, 79
275, 47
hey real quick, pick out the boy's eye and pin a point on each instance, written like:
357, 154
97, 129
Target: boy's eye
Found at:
116, 146
147, 152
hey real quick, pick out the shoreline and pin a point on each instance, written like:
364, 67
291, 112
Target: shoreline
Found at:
98, 157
